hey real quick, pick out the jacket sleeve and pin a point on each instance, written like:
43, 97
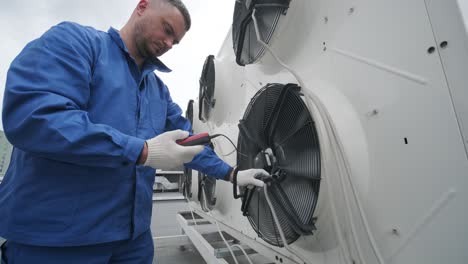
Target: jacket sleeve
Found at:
46, 96
207, 161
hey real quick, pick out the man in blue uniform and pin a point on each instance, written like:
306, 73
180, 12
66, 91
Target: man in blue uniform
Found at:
90, 122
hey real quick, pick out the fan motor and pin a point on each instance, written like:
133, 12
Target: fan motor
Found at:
266, 160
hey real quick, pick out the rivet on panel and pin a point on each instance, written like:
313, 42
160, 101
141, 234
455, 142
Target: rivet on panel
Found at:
373, 113
443, 44
430, 50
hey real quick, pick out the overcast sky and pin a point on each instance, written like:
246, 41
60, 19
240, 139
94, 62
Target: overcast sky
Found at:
24, 20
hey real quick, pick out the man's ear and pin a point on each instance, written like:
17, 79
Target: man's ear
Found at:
142, 6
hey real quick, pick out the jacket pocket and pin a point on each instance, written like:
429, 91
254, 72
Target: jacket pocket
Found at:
158, 112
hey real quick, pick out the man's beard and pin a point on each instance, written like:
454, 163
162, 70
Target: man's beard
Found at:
142, 45
143, 49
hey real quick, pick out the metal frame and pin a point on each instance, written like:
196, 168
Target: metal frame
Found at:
205, 249
205, 241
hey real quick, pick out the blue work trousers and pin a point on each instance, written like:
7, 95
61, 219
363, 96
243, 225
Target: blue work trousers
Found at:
139, 250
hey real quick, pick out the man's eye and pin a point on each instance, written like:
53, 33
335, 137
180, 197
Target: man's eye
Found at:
168, 30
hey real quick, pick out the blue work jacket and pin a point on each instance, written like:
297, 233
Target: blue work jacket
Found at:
77, 110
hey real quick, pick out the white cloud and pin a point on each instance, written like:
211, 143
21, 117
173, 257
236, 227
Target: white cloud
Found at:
24, 20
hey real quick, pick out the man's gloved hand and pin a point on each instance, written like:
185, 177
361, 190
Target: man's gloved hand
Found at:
164, 153
251, 177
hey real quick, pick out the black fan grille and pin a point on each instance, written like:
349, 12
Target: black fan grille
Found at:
187, 171
207, 89
278, 119
267, 13
206, 192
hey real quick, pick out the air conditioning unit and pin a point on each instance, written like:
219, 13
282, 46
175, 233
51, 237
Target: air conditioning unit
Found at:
358, 110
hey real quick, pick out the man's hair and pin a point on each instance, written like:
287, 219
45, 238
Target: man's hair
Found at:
183, 10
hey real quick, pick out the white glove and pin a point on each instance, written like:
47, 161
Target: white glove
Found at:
250, 177
164, 153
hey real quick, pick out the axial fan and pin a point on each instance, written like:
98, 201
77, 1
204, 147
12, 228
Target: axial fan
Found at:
278, 134
206, 191
207, 88
267, 13
187, 171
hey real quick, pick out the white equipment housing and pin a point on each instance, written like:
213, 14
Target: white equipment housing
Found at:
386, 83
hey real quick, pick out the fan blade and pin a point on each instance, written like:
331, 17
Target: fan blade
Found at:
280, 104
294, 201
251, 137
300, 155
261, 219
291, 127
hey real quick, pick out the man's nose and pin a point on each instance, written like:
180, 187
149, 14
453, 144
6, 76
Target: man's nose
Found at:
169, 42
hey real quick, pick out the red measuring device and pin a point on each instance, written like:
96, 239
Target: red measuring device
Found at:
199, 139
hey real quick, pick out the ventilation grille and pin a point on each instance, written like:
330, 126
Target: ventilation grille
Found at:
267, 13
277, 133
187, 171
207, 89
206, 192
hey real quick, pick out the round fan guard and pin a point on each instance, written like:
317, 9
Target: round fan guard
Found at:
207, 89
187, 187
277, 133
206, 191
267, 13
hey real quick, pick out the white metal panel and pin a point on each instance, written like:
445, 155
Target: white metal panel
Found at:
463, 5
387, 96
449, 25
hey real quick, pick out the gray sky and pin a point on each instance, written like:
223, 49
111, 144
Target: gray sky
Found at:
24, 20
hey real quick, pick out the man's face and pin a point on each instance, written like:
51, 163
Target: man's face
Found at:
158, 29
